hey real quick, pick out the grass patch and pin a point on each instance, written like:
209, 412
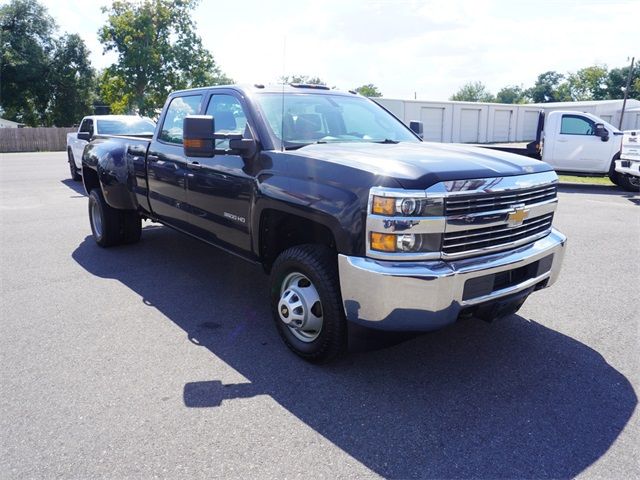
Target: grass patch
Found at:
589, 180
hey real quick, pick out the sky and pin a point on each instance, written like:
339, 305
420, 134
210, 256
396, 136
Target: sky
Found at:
427, 49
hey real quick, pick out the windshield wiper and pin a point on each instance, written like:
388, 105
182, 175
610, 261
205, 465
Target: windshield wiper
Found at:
296, 147
386, 140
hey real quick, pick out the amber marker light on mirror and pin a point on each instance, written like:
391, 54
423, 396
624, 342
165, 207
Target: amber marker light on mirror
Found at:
193, 143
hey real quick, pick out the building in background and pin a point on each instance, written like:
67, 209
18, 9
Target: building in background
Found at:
10, 124
475, 122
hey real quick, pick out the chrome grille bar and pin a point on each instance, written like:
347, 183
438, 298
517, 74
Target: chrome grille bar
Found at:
465, 204
494, 238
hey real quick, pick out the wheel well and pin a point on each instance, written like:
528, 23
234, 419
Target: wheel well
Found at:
280, 231
90, 179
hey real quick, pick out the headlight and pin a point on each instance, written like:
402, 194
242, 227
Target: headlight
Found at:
407, 206
406, 242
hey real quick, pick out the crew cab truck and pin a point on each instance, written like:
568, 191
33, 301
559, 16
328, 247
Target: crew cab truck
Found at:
628, 166
577, 143
94, 125
353, 217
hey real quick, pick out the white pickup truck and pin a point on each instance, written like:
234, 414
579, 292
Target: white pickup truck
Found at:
628, 167
94, 125
577, 143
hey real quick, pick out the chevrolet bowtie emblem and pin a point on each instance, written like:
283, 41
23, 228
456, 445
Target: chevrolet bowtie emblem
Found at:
517, 215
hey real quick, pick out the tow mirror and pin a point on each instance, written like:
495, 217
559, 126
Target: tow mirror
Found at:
197, 136
602, 132
84, 136
417, 128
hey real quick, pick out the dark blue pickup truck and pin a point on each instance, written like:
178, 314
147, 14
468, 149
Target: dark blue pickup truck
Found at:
354, 217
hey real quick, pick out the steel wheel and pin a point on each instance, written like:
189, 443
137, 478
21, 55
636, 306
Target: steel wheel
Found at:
300, 308
96, 219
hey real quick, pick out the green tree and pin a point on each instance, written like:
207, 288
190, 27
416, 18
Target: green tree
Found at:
511, 94
589, 83
369, 90
26, 44
549, 87
158, 51
617, 80
304, 79
473, 92
72, 82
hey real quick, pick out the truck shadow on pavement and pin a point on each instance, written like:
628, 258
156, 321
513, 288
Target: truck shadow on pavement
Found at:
76, 186
508, 399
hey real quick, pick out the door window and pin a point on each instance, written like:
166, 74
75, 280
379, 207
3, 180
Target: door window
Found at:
180, 107
228, 116
577, 125
87, 126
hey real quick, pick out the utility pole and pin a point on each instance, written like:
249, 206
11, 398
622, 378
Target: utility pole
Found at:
626, 92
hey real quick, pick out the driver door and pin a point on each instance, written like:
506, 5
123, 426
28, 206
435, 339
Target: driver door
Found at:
577, 148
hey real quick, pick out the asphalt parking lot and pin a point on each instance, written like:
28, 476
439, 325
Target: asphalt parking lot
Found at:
161, 360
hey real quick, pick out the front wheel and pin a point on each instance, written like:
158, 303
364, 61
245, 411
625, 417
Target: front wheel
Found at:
630, 183
73, 170
306, 302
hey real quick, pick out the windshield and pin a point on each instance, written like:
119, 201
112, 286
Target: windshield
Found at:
310, 118
134, 126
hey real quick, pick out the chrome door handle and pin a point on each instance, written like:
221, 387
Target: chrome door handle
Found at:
195, 165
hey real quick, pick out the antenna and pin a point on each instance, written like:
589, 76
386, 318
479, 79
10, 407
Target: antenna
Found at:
284, 79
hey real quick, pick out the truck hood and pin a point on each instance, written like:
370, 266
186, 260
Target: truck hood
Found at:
420, 165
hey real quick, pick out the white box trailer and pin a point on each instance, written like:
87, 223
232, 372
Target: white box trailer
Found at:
476, 122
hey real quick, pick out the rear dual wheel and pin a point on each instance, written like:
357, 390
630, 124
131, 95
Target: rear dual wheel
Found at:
111, 226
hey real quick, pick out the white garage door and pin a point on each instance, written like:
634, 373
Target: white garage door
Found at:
530, 127
501, 125
469, 125
433, 123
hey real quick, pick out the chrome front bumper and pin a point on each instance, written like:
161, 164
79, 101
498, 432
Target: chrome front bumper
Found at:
428, 295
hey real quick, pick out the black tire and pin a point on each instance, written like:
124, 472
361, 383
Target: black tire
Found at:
319, 265
75, 175
629, 182
106, 222
613, 175
131, 226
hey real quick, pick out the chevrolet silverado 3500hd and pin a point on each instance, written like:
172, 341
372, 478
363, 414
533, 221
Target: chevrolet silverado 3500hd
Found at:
354, 217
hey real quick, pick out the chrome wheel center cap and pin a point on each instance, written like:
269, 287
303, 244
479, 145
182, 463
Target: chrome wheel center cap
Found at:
292, 308
299, 307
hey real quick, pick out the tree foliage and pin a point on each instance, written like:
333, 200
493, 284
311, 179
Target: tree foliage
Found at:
617, 80
158, 52
588, 83
369, 90
26, 43
473, 92
45, 80
547, 88
73, 81
511, 94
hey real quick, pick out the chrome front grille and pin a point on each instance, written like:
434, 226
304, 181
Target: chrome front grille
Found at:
467, 242
486, 202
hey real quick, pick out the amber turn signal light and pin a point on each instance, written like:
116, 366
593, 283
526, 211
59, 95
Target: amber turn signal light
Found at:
384, 205
383, 242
